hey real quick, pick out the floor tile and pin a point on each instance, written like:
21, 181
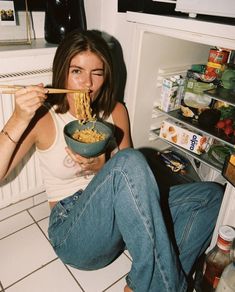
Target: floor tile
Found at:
44, 225
99, 280
126, 252
39, 198
117, 287
41, 211
23, 252
14, 223
52, 278
16, 208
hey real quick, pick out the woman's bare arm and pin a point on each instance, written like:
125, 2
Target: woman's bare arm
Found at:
121, 121
13, 144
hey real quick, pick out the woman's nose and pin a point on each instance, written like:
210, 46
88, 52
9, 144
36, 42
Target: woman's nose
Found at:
88, 81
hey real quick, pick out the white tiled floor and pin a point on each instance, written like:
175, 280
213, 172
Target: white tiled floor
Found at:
29, 264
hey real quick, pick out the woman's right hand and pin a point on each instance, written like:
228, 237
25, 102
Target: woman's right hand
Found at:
27, 100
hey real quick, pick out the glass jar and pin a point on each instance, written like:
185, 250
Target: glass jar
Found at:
61, 17
218, 258
227, 280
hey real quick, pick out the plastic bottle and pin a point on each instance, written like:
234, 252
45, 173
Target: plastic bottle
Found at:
217, 259
227, 280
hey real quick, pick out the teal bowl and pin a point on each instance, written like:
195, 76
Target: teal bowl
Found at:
87, 149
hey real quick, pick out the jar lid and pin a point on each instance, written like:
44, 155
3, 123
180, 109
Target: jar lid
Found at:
227, 232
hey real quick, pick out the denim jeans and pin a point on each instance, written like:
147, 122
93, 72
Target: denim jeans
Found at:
119, 209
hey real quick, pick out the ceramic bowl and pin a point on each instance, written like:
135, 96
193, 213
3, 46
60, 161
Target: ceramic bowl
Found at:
87, 149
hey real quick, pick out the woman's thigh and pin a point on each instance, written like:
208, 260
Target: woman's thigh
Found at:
87, 235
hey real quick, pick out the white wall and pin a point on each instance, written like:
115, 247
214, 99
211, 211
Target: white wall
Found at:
103, 15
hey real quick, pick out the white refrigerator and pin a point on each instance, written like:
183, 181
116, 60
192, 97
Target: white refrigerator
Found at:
161, 46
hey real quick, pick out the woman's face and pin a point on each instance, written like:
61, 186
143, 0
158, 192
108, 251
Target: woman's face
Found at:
86, 71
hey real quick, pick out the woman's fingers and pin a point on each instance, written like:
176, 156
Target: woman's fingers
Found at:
28, 100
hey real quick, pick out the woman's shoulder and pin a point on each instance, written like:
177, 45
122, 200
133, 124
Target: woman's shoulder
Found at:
119, 111
119, 108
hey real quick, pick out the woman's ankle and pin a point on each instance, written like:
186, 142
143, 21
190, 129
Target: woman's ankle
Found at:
127, 289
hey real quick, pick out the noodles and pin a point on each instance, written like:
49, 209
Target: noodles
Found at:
84, 114
88, 136
82, 107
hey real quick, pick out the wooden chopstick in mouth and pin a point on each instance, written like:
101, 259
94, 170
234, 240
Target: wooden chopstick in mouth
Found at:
11, 89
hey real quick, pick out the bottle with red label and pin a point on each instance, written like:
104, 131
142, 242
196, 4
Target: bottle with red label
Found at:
217, 259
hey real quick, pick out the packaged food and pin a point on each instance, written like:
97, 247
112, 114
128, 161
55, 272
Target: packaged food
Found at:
194, 94
174, 160
177, 133
171, 93
229, 169
215, 65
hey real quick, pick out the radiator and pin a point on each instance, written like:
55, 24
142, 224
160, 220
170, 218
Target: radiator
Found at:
25, 181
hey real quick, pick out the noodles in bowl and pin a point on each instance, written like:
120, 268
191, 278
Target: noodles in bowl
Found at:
88, 139
88, 136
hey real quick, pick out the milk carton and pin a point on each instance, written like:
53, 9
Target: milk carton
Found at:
176, 133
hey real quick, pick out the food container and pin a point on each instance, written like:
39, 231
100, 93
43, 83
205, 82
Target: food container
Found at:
215, 66
178, 134
229, 169
171, 93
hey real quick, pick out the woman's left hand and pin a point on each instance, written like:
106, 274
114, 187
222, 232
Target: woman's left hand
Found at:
91, 164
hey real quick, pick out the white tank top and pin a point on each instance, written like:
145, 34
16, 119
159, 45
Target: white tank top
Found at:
61, 175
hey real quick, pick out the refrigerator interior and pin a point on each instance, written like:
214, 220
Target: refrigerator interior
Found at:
163, 56
160, 56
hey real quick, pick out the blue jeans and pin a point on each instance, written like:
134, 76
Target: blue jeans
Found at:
119, 209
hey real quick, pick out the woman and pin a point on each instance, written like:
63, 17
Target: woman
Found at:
102, 205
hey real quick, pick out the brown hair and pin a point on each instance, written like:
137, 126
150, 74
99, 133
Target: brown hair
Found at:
74, 43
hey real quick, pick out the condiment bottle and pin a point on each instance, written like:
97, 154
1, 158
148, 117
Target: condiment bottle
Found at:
218, 258
227, 280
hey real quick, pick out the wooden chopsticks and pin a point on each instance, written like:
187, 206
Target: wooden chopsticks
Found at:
11, 89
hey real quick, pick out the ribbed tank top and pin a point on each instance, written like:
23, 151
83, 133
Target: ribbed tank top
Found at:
61, 175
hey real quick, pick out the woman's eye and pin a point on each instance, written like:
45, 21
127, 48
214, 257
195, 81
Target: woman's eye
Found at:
98, 73
76, 71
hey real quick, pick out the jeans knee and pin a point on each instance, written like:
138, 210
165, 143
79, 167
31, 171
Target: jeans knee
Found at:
133, 158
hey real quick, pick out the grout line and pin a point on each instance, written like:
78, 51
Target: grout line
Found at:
106, 289
34, 221
43, 266
129, 258
17, 231
1, 287
22, 200
73, 277
21, 211
17, 213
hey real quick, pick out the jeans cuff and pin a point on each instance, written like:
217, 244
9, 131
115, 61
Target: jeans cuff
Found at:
129, 283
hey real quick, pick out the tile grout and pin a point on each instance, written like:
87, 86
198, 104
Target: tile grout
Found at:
27, 211
34, 271
37, 222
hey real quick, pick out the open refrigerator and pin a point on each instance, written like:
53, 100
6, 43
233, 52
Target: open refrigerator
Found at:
164, 46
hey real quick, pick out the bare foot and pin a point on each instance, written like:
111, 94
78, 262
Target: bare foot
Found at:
127, 289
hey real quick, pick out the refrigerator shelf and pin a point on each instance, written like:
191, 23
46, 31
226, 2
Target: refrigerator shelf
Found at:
204, 158
176, 115
222, 94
